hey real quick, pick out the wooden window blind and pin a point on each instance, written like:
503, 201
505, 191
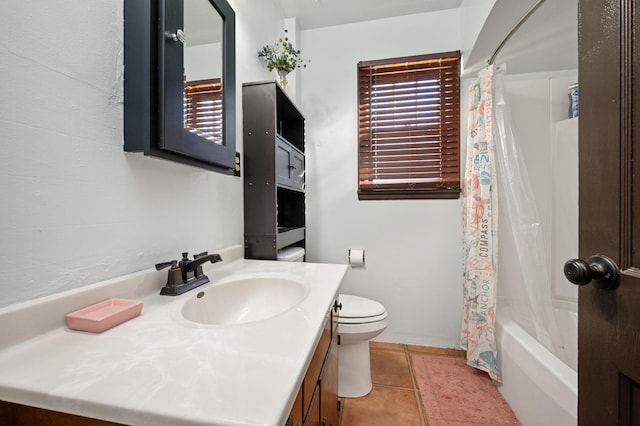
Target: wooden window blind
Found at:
203, 108
409, 127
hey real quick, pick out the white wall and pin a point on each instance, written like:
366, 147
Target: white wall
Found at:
413, 247
75, 208
473, 14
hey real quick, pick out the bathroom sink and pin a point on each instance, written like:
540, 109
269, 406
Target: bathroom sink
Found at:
244, 300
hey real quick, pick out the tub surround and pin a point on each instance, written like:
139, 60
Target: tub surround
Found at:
159, 368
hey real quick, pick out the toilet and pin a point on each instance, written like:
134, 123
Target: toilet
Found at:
359, 320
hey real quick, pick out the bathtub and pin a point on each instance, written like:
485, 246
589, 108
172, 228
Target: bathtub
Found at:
539, 387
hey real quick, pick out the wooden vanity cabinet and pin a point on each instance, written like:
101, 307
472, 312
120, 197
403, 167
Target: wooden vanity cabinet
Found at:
296, 416
274, 171
313, 413
320, 404
329, 400
23, 415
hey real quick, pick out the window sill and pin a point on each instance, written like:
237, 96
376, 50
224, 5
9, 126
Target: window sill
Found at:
425, 194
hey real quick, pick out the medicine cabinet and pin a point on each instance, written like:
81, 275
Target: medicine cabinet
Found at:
179, 81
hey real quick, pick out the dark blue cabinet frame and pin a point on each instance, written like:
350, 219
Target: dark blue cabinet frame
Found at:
153, 87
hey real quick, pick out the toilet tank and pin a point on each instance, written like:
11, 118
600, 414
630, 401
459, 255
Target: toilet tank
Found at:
291, 254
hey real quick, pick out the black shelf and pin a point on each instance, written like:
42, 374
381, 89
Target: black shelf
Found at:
289, 237
274, 199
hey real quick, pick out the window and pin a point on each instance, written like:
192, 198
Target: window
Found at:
203, 111
409, 127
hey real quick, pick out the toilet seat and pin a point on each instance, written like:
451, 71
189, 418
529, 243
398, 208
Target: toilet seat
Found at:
359, 310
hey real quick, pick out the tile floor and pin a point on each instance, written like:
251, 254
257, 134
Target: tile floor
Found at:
394, 399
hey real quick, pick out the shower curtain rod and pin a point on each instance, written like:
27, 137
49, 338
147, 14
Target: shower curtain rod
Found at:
514, 29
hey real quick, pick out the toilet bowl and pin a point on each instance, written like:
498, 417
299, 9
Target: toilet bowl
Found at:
359, 321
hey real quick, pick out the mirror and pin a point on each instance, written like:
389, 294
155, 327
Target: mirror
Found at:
180, 81
203, 61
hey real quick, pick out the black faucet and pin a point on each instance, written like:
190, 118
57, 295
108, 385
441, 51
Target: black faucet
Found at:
186, 274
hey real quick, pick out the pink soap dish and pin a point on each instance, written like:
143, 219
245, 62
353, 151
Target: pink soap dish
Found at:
104, 315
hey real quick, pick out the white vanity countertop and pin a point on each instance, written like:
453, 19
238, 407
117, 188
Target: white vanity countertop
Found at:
159, 369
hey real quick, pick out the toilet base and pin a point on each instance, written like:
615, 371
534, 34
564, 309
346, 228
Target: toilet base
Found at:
354, 370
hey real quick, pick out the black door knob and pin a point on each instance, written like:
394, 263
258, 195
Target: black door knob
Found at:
599, 270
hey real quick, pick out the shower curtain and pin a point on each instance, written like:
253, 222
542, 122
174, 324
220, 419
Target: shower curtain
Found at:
493, 158
524, 219
480, 218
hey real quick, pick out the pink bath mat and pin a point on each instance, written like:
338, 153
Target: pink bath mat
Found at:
453, 393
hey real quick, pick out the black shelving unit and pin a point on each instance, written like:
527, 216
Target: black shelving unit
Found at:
274, 163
